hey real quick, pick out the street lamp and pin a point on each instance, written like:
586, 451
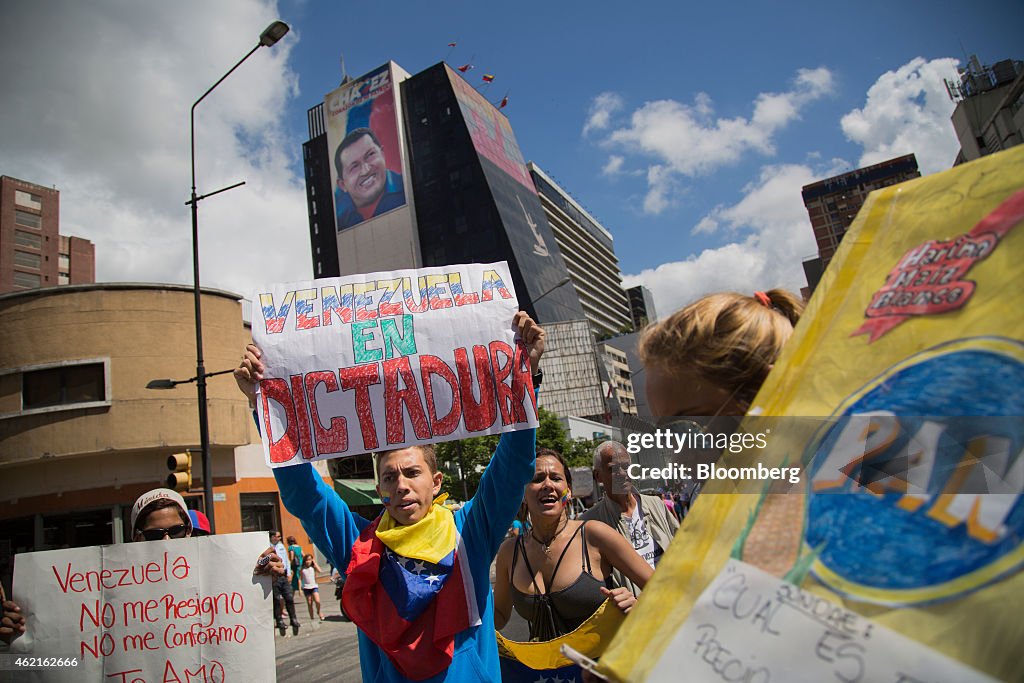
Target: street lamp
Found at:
171, 383
270, 35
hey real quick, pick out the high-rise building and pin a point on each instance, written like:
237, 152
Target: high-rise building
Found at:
619, 376
589, 254
443, 179
33, 253
833, 203
641, 306
988, 115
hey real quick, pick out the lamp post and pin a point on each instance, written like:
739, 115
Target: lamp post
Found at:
270, 35
171, 383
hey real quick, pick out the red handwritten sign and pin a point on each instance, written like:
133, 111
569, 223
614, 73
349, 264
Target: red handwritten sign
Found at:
164, 611
930, 278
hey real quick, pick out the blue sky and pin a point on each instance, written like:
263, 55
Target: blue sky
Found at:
687, 129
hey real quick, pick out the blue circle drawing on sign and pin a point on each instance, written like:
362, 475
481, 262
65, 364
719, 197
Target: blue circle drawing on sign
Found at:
898, 510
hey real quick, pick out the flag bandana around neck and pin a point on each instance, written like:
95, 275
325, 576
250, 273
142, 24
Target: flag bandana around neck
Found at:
410, 590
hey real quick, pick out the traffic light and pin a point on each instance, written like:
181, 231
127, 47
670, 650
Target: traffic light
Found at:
180, 466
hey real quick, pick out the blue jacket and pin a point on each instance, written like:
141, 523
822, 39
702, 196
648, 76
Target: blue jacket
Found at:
348, 215
483, 522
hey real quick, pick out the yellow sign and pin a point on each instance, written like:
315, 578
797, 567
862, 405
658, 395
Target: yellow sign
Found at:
910, 512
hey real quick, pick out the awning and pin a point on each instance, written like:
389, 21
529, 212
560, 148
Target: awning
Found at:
357, 491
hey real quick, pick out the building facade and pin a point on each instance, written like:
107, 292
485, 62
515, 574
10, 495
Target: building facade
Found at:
588, 251
33, 253
833, 203
641, 307
81, 437
989, 113
469, 197
620, 378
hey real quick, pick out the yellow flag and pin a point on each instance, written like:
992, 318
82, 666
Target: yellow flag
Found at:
909, 517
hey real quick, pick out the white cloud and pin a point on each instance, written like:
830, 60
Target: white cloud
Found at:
705, 226
686, 139
601, 110
104, 118
777, 238
614, 165
661, 186
907, 111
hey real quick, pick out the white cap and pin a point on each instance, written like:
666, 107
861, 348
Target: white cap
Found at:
156, 494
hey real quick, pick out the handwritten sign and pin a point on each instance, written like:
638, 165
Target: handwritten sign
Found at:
389, 360
750, 626
175, 611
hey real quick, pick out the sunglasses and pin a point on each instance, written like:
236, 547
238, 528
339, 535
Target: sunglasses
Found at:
176, 531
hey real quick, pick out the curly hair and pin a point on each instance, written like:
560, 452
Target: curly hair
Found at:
729, 339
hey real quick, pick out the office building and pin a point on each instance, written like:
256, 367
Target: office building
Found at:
33, 253
641, 307
989, 114
833, 203
588, 251
620, 378
455, 187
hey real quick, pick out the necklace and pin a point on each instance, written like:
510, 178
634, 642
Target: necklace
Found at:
547, 546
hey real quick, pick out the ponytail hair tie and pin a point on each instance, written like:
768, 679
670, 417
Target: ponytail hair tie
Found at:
763, 299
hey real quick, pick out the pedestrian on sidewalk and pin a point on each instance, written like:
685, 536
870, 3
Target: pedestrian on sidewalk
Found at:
310, 589
284, 597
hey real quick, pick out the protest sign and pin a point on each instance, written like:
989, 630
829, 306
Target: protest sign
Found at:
750, 626
911, 514
389, 360
176, 611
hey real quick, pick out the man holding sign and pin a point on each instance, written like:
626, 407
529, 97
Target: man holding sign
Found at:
418, 577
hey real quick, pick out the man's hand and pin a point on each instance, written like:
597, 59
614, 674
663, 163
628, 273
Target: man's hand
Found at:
12, 621
249, 373
269, 563
532, 335
622, 598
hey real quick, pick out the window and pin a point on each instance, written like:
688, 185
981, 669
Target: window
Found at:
32, 201
29, 220
28, 280
259, 512
27, 239
63, 385
23, 258
63, 279
64, 262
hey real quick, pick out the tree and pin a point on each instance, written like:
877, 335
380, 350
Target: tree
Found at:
463, 463
550, 433
580, 452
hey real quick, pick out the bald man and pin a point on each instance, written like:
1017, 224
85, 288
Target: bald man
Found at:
642, 520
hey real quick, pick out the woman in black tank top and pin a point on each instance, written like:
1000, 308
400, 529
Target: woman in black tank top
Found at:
554, 575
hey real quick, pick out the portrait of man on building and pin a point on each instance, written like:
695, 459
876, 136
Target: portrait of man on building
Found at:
366, 188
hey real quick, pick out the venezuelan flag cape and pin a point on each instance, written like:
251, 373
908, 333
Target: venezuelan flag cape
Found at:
410, 592
530, 662
898, 554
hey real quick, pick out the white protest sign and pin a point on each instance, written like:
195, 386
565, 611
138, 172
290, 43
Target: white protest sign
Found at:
186, 610
750, 626
389, 360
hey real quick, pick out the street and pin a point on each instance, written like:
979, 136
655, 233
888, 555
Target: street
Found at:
325, 651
